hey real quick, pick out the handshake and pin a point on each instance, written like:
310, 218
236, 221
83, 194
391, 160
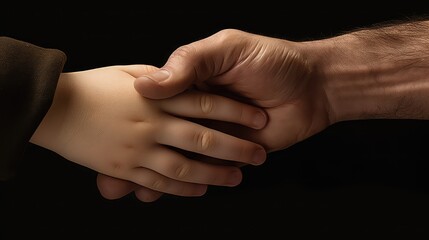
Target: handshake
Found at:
217, 104
184, 127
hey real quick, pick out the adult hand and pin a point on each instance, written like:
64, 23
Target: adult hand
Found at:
268, 72
272, 73
370, 73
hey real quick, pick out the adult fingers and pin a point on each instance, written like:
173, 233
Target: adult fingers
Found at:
147, 195
197, 104
155, 181
114, 188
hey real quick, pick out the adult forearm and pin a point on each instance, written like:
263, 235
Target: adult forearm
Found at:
375, 73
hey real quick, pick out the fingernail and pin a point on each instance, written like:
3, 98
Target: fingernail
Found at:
259, 156
200, 190
235, 178
157, 76
259, 120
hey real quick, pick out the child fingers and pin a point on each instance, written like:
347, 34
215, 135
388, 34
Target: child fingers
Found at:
175, 165
196, 138
196, 104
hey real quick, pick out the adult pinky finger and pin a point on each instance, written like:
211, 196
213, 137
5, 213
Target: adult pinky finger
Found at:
157, 182
197, 104
114, 188
147, 195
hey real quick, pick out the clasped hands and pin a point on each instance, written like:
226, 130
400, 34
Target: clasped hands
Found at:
217, 104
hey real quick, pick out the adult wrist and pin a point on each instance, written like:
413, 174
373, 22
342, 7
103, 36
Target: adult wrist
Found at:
367, 75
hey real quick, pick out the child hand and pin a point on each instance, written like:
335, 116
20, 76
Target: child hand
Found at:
99, 121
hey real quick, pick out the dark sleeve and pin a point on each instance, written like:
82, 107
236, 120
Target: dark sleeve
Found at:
28, 79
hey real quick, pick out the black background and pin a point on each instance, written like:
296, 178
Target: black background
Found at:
354, 178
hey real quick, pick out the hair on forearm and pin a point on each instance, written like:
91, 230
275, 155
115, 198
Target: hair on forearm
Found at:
396, 31
404, 41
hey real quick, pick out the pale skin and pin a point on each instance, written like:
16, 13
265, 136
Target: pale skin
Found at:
99, 121
304, 87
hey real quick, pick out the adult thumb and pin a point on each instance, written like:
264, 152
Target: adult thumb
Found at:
184, 67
